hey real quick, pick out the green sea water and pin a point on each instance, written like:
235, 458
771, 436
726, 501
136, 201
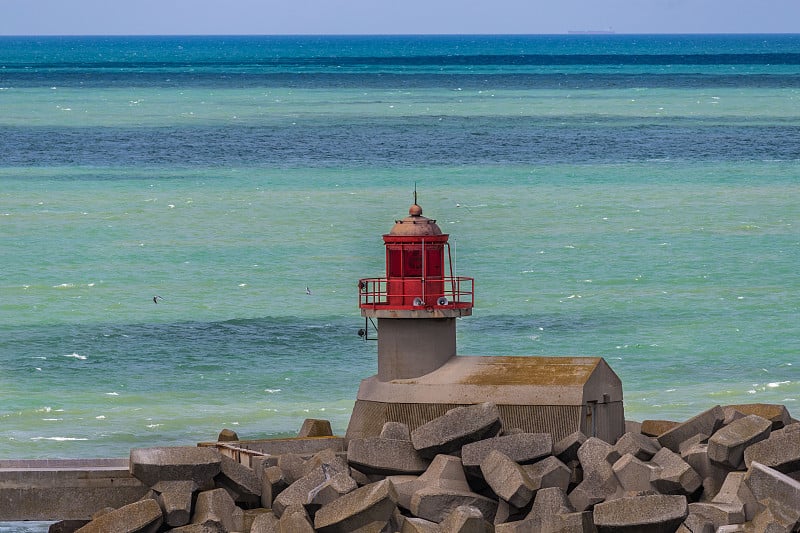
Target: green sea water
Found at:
644, 214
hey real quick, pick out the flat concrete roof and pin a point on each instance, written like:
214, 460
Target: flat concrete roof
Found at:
511, 380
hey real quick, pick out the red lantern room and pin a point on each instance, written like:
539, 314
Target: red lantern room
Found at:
416, 304
415, 261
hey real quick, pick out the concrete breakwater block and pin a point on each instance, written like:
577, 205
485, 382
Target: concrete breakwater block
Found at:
151, 465
139, 517
507, 479
521, 484
522, 448
368, 508
781, 450
706, 423
175, 499
217, 507
654, 513
459, 426
727, 445
240, 481
377, 455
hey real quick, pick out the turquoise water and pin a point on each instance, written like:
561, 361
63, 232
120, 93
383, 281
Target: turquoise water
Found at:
630, 197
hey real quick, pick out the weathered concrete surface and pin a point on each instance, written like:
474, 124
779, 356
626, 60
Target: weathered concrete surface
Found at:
151, 465
522, 448
419, 525
442, 488
674, 475
295, 520
507, 479
367, 508
459, 426
567, 448
206, 527
143, 516
444, 472
250, 516
265, 523
599, 481
272, 483
434, 503
654, 428
727, 445
65, 489
466, 519
551, 513
395, 431
714, 515
706, 423
240, 481
218, 506
736, 492
779, 493
338, 485
300, 492
293, 466
775, 413
781, 451
378, 455
656, 513
175, 499
712, 474
314, 427
549, 472
227, 435
331, 460
640, 446
634, 474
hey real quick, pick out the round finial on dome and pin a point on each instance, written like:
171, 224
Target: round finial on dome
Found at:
415, 210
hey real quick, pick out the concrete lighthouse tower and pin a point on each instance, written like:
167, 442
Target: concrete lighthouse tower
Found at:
421, 376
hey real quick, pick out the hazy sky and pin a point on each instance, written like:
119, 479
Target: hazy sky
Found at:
114, 17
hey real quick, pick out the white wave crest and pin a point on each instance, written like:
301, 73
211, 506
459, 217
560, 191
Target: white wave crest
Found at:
76, 356
776, 384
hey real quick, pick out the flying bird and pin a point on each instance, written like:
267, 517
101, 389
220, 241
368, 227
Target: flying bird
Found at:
308, 291
156, 298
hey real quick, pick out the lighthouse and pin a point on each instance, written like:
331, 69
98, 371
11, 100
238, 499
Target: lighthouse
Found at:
418, 301
415, 306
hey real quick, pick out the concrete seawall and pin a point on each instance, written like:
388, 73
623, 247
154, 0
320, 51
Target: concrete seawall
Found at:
64, 489
75, 489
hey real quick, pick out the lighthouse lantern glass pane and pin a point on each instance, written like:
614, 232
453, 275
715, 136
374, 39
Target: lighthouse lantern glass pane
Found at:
433, 262
413, 263
394, 263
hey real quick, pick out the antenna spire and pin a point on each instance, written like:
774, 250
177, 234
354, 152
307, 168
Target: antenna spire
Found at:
415, 193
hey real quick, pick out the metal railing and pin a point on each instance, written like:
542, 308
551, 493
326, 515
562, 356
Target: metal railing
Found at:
456, 292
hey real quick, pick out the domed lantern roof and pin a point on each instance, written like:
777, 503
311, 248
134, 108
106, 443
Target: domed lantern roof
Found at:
415, 224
